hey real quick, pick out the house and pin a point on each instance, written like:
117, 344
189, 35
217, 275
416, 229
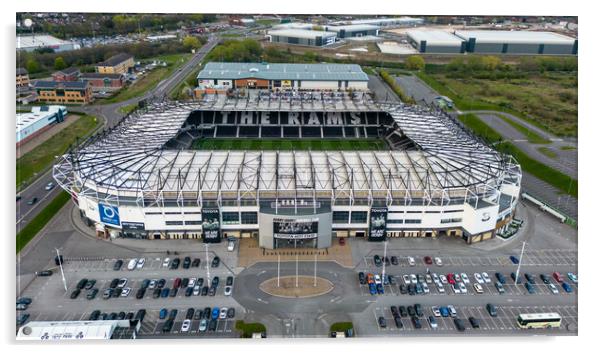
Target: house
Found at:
117, 64
22, 84
103, 82
69, 74
76, 92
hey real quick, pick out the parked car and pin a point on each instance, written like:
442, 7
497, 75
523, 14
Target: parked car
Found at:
553, 288
132, 264
189, 313
145, 283
380, 289
215, 262
438, 261
530, 278
228, 290
403, 289
436, 311
478, 288
140, 293
545, 278
500, 277
558, 277
122, 282
377, 261
362, 278
444, 311
156, 293
411, 261
572, 277
82, 283
117, 265
215, 313
203, 326
162, 314
416, 322
94, 315
186, 263
165, 292
25, 306
32, 201
486, 278
500, 287
479, 278
92, 294
491, 309
173, 292
398, 322
196, 262
452, 310
161, 283
394, 260
204, 291
173, 313
140, 263
432, 322
428, 260
24, 300
167, 326
175, 263
107, 293
229, 280
44, 273
515, 279
567, 287
530, 288
231, 313
459, 324
166, 262
465, 278
177, 282
474, 322
188, 291
382, 322
75, 293
514, 259
418, 309
90, 284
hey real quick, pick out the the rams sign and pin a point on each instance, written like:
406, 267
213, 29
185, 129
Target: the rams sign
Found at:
109, 214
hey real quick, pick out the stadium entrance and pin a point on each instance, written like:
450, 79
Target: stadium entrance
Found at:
295, 243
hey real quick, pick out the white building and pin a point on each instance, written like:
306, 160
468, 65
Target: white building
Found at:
73, 330
32, 42
41, 118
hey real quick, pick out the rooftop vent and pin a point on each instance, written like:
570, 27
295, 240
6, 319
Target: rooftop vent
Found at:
253, 69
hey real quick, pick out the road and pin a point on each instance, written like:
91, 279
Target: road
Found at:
110, 112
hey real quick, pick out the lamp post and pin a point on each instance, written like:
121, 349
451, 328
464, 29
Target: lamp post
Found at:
520, 261
61, 266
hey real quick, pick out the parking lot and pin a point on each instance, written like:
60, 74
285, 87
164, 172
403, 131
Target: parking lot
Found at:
504, 322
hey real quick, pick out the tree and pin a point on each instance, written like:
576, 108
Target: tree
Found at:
59, 63
191, 42
415, 62
32, 66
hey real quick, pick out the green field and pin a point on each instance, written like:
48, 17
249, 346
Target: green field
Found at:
41, 158
290, 144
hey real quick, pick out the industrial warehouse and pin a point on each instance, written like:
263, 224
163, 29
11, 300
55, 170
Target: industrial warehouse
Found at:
143, 179
219, 77
306, 37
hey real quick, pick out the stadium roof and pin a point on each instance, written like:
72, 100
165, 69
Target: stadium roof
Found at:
301, 33
516, 37
306, 72
434, 37
130, 165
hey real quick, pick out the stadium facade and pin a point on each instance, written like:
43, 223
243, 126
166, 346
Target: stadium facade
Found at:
142, 179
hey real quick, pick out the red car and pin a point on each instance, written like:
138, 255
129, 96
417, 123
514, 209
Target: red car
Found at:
428, 260
558, 277
450, 278
177, 282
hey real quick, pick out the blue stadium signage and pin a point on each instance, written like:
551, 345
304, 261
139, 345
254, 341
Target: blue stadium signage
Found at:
109, 214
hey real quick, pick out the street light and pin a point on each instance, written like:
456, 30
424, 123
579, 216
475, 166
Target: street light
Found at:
61, 266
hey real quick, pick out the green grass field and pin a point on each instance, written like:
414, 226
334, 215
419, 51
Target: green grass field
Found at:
289, 145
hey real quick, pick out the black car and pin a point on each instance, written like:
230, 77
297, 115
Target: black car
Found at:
387, 261
140, 293
129, 316
75, 293
229, 280
473, 322
530, 278
32, 201
161, 283
167, 325
94, 315
173, 313
82, 283
215, 282
140, 315
198, 314
402, 311
92, 294
188, 292
491, 309
416, 322
173, 292
112, 316
545, 278
116, 292
230, 314
24, 300
377, 261
22, 319
189, 313
103, 316
362, 278
411, 289
186, 263
403, 289
175, 263
58, 260
394, 310
418, 309
411, 310
212, 325
199, 282
44, 273
157, 293
204, 291
211, 291
145, 284
394, 260
215, 262
207, 313
459, 324
117, 265
382, 322
114, 283
90, 284
196, 262
398, 322
184, 282
121, 315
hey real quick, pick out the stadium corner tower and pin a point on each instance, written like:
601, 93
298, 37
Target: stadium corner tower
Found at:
143, 178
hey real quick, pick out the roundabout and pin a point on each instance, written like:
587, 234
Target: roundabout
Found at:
296, 286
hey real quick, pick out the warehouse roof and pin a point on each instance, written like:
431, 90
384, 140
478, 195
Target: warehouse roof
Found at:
516, 37
385, 20
434, 37
293, 25
307, 72
358, 27
301, 33
39, 41
25, 120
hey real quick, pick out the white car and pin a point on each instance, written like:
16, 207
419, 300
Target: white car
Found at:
196, 290
411, 261
126, 291
49, 186
457, 277
432, 323
191, 282
413, 279
140, 263
122, 282
223, 313
231, 245
438, 261
478, 278
152, 284
465, 278
132, 264
478, 288
425, 288
377, 279
406, 279
228, 290
185, 325
452, 310
166, 262
436, 311
463, 289
553, 288
455, 288
203, 325
429, 278
486, 277
443, 279
440, 287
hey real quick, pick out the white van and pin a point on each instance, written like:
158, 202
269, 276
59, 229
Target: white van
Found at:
132, 264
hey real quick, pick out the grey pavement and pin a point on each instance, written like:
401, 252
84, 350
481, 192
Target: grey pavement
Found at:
382, 91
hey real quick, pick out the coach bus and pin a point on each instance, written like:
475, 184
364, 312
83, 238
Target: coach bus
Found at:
540, 320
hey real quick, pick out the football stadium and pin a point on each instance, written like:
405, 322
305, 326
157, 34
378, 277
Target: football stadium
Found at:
291, 169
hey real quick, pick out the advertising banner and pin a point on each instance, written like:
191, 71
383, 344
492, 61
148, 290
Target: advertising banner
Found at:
132, 226
295, 228
109, 214
378, 224
211, 226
